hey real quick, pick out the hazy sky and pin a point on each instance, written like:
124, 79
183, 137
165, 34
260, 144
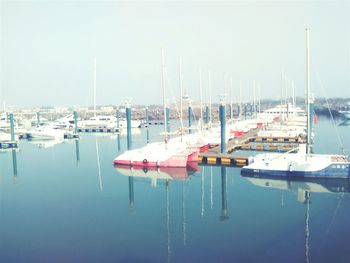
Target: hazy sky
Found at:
47, 48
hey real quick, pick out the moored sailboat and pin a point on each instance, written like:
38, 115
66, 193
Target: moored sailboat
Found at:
303, 163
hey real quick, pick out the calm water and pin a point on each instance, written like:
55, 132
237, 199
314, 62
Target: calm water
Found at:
65, 206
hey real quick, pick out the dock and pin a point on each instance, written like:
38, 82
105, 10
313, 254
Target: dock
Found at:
99, 130
250, 142
8, 144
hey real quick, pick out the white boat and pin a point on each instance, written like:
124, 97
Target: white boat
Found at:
303, 163
160, 154
6, 137
45, 133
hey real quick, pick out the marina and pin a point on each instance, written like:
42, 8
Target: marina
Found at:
181, 131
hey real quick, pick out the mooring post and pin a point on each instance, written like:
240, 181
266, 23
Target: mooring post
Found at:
128, 126
75, 116
207, 115
38, 119
12, 127
117, 118
223, 125
189, 118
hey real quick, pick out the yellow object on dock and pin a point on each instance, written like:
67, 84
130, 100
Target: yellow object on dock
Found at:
225, 161
259, 147
211, 160
246, 147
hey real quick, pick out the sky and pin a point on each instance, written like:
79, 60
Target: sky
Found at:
48, 50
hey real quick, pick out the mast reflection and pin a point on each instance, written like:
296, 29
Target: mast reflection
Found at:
304, 187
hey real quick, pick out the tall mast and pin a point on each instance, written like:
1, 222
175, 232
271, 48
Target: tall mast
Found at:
209, 84
94, 79
259, 101
240, 100
254, 98
201, 98
308, 142
164, 106
181, 102
231, 91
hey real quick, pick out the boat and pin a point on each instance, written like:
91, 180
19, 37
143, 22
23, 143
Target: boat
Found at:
45, 133
303, 163
167, 153
158, 154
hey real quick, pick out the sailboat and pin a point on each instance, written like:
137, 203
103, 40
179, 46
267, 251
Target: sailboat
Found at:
160, 154
303, 163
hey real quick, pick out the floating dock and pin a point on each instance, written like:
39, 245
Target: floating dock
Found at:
8, 145
250, 142
100, 130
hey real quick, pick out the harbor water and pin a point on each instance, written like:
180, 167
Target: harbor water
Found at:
67, 203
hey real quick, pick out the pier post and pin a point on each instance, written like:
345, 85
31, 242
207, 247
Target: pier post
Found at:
189, 118
38, 119
118, 127
207, 115
12, 127
117, 118
245, 111
147, 123
224, 211
75, 116
128, 126
223, 126
167, 119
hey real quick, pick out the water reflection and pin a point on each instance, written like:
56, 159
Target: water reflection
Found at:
46, 143
224, 211
304, 187
77, 152
14, 164
155, 174
300, 185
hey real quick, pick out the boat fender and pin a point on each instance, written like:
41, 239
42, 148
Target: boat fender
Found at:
145, 161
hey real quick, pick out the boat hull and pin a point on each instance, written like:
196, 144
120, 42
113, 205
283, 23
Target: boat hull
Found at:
336, 170
174, 161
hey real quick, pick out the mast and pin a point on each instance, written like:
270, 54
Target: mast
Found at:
308, 142
94, 79
164, 105
231, 104
209, 84
254, 98
240, 100
201, 98
181, 102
